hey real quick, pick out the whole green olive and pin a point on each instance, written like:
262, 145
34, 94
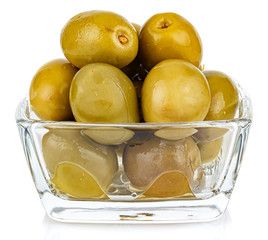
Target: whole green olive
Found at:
49, 91
103, 93
224, 96
175, 91
168, 36
99, 36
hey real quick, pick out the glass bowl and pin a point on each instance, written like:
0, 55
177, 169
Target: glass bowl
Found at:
140, 172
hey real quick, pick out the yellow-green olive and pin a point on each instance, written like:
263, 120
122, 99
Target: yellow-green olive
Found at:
168, 36
224, 96
49, 91
175, 91
103, 93
99, 36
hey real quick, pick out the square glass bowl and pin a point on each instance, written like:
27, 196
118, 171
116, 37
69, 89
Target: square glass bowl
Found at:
140, 172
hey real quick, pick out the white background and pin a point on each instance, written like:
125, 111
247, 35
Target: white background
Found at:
235, 41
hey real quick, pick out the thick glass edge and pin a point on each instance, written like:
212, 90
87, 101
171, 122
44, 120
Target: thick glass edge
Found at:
22, 116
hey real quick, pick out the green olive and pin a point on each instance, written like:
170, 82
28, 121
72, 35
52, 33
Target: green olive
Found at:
99, 36
224, 96
175, 91
78, 166
49, 91
145, 160
168, 36
103, 93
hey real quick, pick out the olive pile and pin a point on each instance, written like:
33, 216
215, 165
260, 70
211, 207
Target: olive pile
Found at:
119, 72
122, 73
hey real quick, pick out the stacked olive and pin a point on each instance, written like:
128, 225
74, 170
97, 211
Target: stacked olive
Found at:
119, 72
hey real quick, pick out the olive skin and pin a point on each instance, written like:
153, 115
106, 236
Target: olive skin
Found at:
224, 96
103, 93
147, 159
49, 91
77, 165
99, 36
169, 36
175, 91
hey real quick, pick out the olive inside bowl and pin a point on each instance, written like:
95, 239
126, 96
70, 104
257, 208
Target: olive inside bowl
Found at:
140, 172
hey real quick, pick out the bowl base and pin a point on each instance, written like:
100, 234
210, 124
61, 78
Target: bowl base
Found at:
106, 211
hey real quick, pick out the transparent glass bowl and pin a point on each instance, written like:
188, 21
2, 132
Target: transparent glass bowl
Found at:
160, 172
